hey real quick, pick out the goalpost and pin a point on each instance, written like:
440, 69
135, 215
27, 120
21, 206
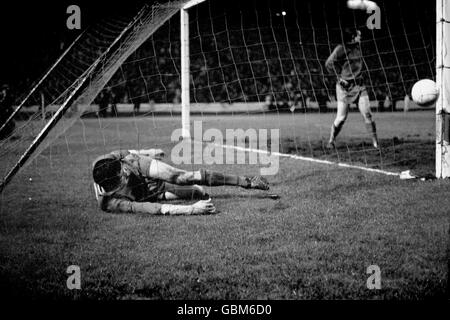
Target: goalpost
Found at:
185, 66
262, 64
443, 84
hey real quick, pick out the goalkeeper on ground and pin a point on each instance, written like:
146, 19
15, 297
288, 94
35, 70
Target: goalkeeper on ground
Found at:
134, 181
346, 62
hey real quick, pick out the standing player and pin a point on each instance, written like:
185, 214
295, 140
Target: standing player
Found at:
132, 181
346, 63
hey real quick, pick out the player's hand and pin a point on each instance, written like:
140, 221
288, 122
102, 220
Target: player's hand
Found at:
203, 207
344, 83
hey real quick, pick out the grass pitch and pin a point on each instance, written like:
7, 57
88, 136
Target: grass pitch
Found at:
315, 242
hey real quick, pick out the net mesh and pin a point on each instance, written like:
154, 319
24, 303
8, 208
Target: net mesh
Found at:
75, 81
253, 64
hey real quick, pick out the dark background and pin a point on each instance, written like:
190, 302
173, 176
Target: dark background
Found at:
35, 34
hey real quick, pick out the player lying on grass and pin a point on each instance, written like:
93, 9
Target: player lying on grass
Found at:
133, 181
346, 62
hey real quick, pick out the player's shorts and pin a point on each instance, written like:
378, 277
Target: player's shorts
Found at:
350, 93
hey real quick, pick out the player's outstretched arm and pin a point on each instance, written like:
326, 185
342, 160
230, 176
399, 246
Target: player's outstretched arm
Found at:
200, 207
125, 206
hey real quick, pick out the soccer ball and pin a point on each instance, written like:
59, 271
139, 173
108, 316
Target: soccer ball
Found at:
361, 5
424, 92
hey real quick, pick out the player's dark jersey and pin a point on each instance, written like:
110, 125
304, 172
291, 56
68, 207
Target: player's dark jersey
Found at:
135, 187
346, 62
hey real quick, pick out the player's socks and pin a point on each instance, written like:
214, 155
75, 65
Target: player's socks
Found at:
212, 178
257, 182
187, 192
333, 134
372, 129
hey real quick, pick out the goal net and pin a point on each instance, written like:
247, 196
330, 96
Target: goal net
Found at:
69, 87
253, 65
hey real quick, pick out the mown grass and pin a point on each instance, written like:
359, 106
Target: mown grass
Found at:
315, 242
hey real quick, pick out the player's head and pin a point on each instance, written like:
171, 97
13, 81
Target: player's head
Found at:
352, 36
107, 173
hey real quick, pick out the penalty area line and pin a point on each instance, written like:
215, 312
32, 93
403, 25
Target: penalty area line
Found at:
302, 158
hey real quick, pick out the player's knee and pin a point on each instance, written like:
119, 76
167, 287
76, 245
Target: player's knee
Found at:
168, 196
340, 119
180, 178
367, 117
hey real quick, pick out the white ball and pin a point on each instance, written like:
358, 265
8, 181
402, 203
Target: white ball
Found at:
362, 5
425, 92
356, 4
371, 6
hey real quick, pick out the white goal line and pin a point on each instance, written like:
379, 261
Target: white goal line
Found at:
297, 157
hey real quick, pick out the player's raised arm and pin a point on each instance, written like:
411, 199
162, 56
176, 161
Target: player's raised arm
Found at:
332, 64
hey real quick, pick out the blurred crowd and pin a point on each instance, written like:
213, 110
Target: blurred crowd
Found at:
229, 67
280, 67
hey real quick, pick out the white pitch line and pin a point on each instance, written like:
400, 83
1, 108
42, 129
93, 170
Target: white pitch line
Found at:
296, 157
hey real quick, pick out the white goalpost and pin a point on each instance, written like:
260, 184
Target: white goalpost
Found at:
443, 84
185, 67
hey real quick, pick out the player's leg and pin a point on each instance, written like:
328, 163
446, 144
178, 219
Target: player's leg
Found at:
156, 169
189, 192
341, 116
364, 108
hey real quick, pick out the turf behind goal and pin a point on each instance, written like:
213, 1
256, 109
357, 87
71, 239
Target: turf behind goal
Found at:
236, 65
